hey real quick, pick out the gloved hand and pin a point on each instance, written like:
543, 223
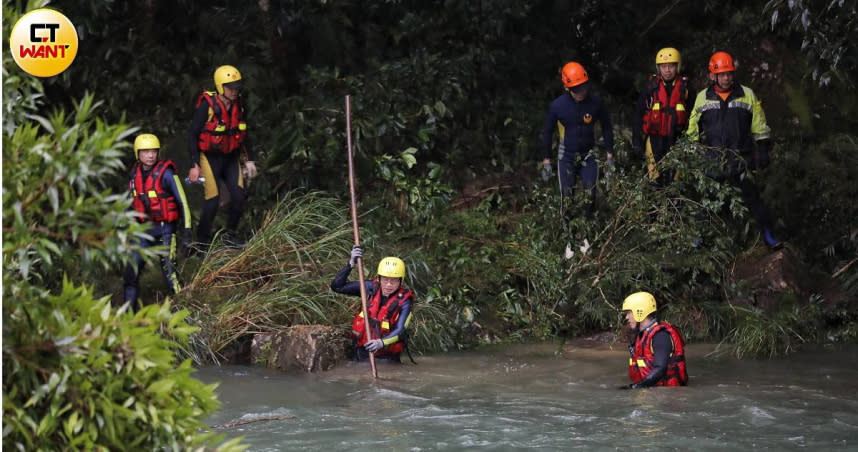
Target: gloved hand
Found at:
761, 155
632, 386
546, 171
249, 169
374, 345
357, 252
185, 245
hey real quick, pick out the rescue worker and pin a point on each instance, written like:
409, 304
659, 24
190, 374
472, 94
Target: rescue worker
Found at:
217, 137
388, 306
158, 197
574, 114
661, 113
657, 353
728, 117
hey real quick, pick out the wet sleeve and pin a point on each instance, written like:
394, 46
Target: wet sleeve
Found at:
548, 132
170, 180
607, 127
401, 323
196, 127
662, 347
693, 131
342, 285
759, 128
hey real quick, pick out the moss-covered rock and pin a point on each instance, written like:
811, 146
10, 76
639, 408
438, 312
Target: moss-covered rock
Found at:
306, 348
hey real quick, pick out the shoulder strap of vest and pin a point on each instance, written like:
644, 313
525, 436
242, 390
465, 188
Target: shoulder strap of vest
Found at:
209, 97
396, 300
156, 172
141, 192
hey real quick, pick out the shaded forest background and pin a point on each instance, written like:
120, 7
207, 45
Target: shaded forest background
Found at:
448, 102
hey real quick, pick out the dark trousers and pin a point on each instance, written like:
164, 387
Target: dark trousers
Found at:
162, 234
754, 202
362, 355
218, 168
572, 164
658, 146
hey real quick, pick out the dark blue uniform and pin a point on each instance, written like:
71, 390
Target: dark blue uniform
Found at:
575, 123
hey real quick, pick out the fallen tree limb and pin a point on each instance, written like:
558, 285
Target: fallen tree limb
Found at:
250, 421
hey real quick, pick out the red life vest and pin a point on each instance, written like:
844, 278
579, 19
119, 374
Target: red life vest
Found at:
225, 129
382, 318
150, 198
665, 114
642, 357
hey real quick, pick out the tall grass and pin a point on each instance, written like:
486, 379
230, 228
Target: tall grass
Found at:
281, 278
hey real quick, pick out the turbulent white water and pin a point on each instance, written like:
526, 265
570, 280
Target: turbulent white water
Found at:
545, 398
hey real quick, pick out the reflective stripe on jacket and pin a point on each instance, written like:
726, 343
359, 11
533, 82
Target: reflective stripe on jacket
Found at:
734, 123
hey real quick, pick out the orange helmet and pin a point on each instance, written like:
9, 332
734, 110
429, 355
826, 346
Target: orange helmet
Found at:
721, 62
573, 74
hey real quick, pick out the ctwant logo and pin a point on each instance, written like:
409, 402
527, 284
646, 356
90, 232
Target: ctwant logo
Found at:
43, 42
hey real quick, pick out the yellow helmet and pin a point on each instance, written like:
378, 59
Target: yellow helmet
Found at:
225, 74
145, 141
392, 267
668, 55
641, 304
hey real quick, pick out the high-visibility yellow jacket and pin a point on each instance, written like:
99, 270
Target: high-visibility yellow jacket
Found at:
734, 123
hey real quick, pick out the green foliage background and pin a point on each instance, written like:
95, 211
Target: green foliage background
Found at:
448, 100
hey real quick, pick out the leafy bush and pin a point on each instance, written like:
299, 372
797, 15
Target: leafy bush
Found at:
78, 374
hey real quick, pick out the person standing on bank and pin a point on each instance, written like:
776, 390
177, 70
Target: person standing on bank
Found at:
388, 307
661, 114
157, 196
574, 114
729, 116
216, 139
657, 354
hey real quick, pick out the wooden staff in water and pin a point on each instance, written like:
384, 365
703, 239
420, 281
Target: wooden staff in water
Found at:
355, 228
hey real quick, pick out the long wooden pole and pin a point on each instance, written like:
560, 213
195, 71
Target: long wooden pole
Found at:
355, 229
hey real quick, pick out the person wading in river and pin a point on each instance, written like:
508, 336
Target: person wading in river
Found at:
658, 350
388, 308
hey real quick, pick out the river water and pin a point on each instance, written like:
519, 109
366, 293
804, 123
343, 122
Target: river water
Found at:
546, 397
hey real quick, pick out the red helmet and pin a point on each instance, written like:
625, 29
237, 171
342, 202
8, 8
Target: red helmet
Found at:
721, 62
573, 74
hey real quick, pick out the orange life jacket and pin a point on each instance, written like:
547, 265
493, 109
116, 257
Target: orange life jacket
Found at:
225, 129
150, 198
666, 115
382, 319
642, 357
